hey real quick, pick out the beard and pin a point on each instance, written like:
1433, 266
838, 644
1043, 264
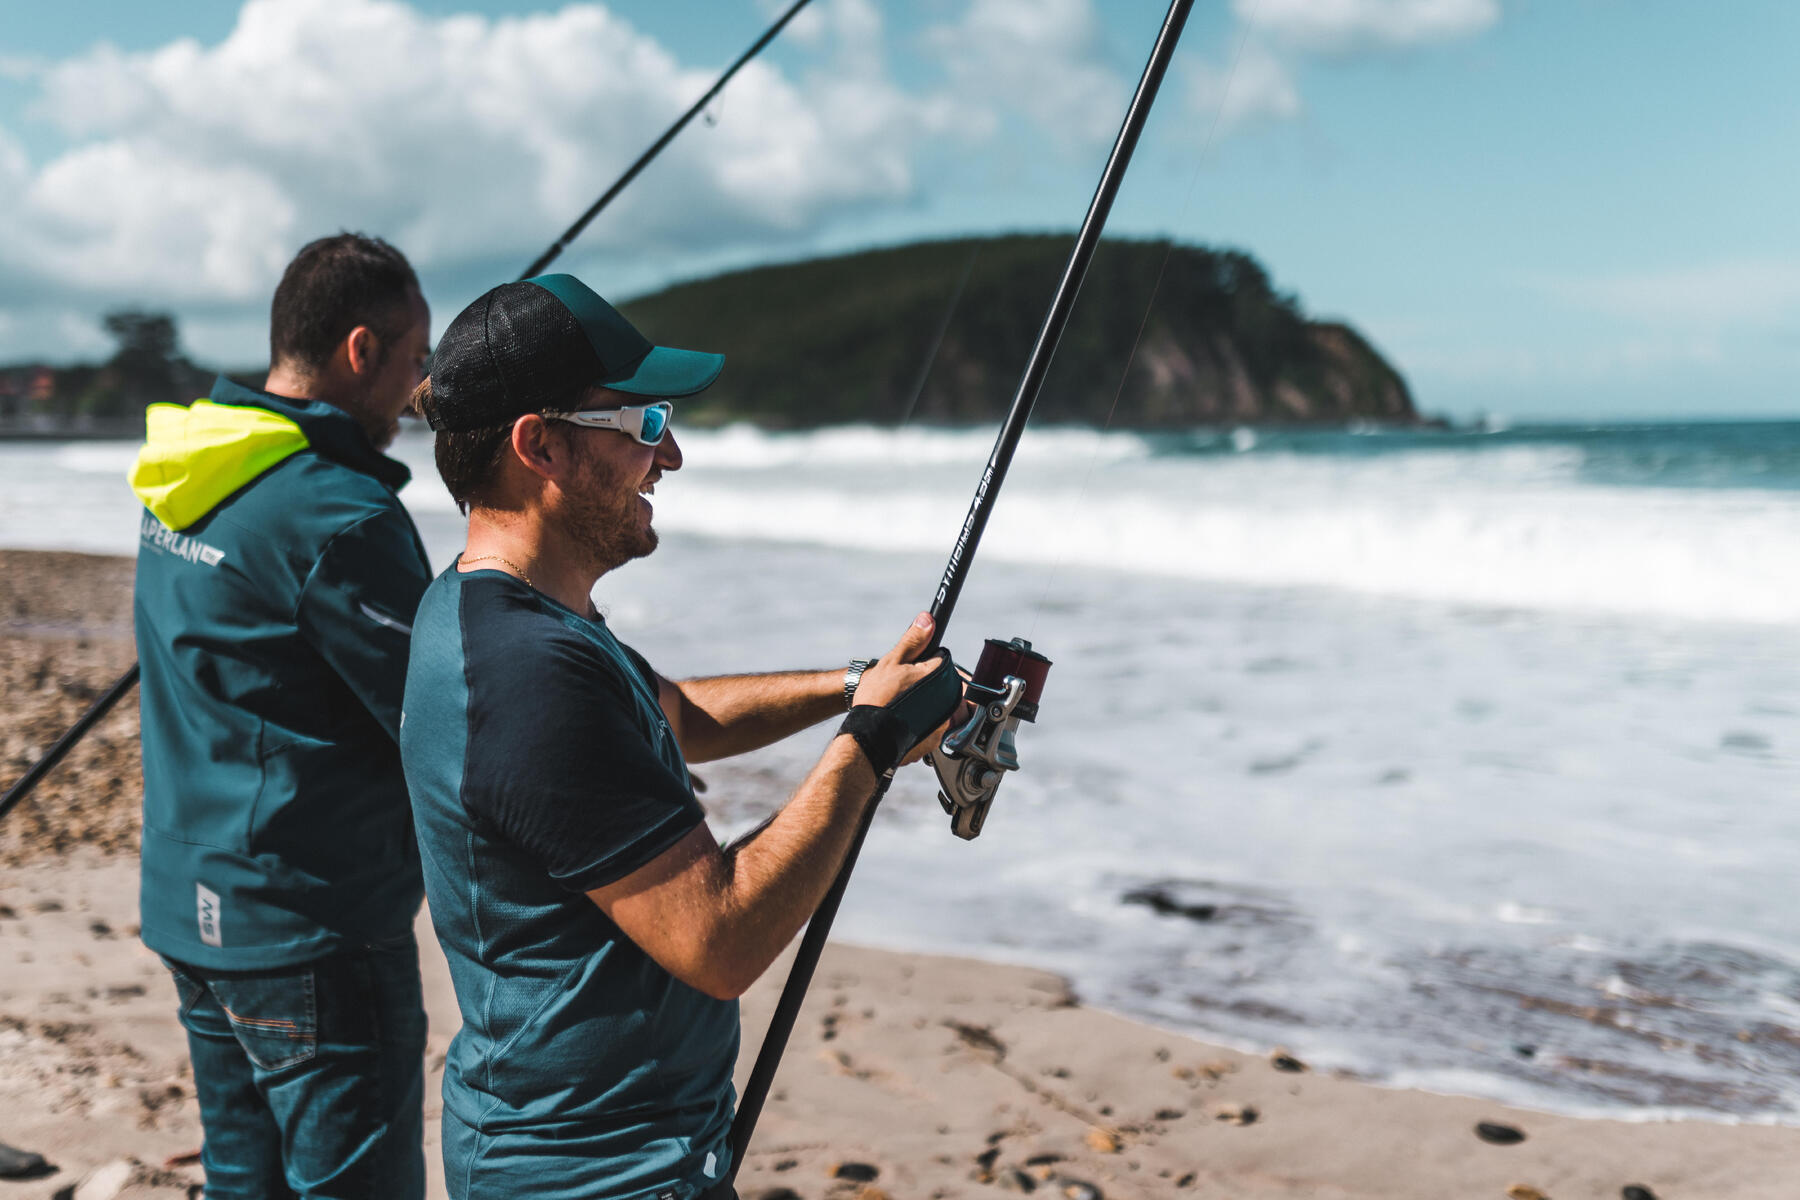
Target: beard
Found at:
604, 516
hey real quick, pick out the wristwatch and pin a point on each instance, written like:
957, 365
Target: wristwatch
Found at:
852, 676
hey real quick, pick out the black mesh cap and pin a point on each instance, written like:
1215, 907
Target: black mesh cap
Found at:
525, 347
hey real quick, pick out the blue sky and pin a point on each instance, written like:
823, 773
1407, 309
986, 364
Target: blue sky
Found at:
1575, 209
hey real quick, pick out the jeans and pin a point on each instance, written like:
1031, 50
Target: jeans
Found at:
310, 1078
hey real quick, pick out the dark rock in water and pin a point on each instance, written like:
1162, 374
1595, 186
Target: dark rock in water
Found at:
856, 1172
22, 1164
1524, 1050
1499, 1135
1159, 901
1637, 1191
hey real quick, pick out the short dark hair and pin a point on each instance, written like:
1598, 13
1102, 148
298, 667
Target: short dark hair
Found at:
466, 458
333, 285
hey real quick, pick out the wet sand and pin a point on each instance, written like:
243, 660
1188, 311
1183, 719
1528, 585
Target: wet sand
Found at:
908, 1075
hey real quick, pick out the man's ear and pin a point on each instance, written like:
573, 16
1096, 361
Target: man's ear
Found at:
362, 350
538, 447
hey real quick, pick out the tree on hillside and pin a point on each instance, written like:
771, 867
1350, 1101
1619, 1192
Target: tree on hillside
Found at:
147, 367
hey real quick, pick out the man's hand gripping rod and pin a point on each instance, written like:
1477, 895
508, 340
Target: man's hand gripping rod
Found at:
969, 797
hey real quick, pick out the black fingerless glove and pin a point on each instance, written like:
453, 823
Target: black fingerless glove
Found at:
888, 733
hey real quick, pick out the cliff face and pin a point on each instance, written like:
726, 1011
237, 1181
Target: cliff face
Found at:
848, 339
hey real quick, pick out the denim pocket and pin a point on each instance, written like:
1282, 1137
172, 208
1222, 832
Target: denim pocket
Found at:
187, 989
273, 1015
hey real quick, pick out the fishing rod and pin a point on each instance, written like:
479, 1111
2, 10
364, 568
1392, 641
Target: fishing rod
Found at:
18, 791
122, 686
1009, 678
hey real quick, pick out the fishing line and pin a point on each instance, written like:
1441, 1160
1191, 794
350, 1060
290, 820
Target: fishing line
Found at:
937, 341
1041, 604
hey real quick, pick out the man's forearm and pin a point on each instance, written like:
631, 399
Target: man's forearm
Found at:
725, 715
774, 879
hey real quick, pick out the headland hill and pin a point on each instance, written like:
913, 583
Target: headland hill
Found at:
934, 332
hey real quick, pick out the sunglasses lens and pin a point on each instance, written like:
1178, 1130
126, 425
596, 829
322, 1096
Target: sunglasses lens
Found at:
656, 423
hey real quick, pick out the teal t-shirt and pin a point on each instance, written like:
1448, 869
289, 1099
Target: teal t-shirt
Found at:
540, 767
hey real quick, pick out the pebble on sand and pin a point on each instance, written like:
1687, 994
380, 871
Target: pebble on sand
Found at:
22, 1164
1524, 1191
1498, 1134
1637, 1191
1281, 1060
855, 1172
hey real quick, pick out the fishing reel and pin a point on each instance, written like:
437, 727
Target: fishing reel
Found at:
972, 759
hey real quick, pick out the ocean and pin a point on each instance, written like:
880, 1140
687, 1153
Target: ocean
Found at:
1458, 760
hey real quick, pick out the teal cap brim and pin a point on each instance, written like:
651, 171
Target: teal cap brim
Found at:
668, 373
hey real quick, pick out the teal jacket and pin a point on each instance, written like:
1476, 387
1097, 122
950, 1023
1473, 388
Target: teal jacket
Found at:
277, 579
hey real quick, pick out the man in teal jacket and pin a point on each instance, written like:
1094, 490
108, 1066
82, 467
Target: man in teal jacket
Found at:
277, 579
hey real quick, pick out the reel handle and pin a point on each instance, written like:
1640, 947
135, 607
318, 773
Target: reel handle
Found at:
1016, 657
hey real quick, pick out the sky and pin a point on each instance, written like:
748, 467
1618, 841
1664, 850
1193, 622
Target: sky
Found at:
1539, 209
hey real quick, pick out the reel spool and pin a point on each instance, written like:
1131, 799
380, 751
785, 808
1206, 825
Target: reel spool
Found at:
971, 760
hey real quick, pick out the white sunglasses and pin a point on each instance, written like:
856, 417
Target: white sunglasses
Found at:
645, 423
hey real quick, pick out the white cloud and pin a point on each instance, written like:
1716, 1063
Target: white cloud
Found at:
199, 169
1258, 83
1045, 58
1255, 85
1756, 293
19, 68
1350, 26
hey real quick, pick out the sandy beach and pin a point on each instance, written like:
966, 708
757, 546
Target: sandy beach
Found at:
909, 1075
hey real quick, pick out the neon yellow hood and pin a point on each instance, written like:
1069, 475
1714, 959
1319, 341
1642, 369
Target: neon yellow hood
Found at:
195, 455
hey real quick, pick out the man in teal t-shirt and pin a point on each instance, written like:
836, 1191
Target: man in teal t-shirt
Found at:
597, 935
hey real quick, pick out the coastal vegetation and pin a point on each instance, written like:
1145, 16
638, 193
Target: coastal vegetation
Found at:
850, 338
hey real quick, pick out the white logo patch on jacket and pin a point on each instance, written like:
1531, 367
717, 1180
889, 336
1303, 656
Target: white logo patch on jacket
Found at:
207, 901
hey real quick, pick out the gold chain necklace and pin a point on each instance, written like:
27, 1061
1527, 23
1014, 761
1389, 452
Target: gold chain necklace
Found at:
503, 559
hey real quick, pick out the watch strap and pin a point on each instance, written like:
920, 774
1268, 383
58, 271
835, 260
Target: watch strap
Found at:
852, 676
